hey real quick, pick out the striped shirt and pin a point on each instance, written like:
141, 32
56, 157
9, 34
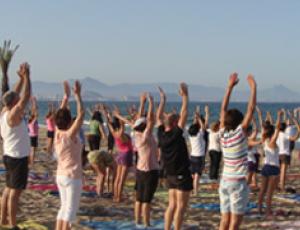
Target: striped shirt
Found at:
235, 151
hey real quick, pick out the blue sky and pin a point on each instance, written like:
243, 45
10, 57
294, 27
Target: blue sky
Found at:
200, 42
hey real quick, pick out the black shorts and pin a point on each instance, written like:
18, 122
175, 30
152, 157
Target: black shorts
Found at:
180, 182
50, 134
16, 172
94, 142
146, 184
197, 164
286, 159
34, 142
162, 170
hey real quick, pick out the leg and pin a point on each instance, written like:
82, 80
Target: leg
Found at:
225, 221
262, 191
146, 214
116, 183
122, 181
182, 199
63, 198
283, 168
13, 201
272, 184
137, 212
196, 178
169, 214
211, 166
249, 177
4, 201
235, 221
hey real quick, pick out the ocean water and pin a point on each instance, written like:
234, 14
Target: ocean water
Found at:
214, 108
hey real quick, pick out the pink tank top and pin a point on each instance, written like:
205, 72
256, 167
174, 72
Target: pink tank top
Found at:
124, 147
50, 124
33, 128
68, 155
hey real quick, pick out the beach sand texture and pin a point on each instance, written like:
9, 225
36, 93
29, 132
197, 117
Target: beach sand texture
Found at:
40, 207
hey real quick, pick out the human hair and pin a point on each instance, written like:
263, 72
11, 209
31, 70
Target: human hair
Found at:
194, 129
9, 98
63, 118
140, 128
97, 116
116, 123
268, 130
215, 126
282, 126
233, 118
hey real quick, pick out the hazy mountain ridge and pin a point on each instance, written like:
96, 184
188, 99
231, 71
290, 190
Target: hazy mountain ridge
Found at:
94, 90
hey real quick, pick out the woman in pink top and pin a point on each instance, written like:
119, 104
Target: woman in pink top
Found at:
147, 174
69, 166
50, 128
33, 128
125, 153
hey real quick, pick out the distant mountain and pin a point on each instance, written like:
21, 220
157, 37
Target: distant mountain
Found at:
94, 90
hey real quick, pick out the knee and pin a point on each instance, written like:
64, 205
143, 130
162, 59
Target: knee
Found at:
172, 206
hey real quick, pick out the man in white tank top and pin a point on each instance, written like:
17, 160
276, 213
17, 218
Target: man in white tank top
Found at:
16, 147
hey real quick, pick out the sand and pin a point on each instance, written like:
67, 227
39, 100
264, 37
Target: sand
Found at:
41, 207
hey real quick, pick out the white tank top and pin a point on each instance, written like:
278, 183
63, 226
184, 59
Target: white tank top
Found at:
16, 142
271, 155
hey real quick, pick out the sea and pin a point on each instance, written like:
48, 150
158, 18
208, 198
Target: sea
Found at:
214, 108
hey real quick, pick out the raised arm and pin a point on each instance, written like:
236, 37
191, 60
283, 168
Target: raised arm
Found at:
161, 107
19, 85
277, 129
260, 119
295, 121
14, 117
150, 114
251, 104
143, 98
233, 80
67, 93
207, 114
184, 93
254, 130
34, 107
269, 118
74, 130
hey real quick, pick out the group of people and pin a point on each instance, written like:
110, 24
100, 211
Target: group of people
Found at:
233, 138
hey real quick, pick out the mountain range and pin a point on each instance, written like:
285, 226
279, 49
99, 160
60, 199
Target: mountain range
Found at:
95, 90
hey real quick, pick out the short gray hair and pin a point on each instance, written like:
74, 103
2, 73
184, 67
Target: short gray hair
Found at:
9, 97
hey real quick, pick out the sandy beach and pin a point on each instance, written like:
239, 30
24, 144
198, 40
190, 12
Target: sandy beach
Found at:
38, 209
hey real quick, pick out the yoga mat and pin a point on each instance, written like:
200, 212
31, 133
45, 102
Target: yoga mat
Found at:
216, 207
53, 187
126, 225
38, 176
2, 171
83, 194
286, 225
32, 225
290, 198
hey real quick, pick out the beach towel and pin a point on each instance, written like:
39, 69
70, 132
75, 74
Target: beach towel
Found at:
38, 176
53, 187
289, 198
83, 194
129, 225
286, 225
215, 207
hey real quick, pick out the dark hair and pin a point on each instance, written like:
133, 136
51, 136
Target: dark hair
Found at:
97, 116
116, 123
63, 118
141, 127
194, 129
268, 130
282, 126
233, 118
249, 130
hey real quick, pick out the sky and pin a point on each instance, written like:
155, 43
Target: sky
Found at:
139, 41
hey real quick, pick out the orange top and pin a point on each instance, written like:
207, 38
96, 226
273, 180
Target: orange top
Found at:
68, 152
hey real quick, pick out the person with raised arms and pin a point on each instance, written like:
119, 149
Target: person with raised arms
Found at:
176, 158
234, 190
68, 148
16, 145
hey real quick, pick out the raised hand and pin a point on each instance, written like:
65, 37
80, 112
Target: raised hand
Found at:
233, 80
251, 81
183, 89
206, 109
67, 89
6, 54
77, 88
161, 92
143, 97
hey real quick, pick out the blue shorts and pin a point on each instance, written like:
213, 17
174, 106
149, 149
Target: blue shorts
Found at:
270, 170
234, 196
